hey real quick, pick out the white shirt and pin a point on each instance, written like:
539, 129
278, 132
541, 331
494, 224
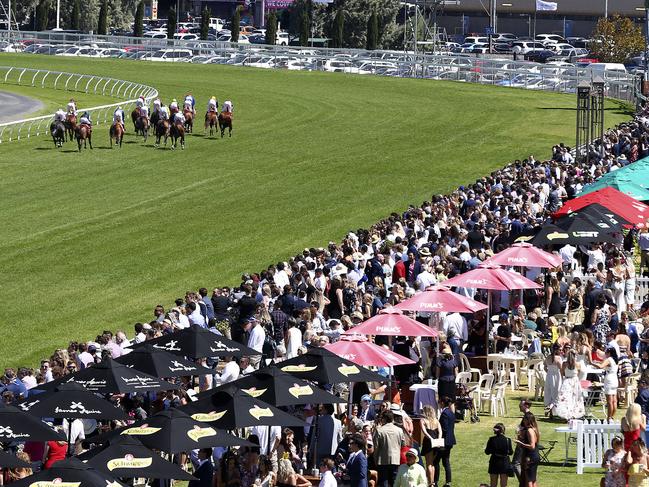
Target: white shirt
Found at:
77, 432
294, 342
196, 318
567, 253
281, 279
230, 373
262, 434
328, 480
424, 280
257, 337
140, 337
29, 381
183, 321
457, 323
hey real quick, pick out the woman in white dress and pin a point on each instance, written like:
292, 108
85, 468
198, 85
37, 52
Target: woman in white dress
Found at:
629, 284
609, 364
583, 350
553, 365
570, 403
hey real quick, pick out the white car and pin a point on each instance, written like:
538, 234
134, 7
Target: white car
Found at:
154, 34
340, 66
476, 40
76, 51
186, 37
549, 39
171, 55
282, 39
243, 39
525, 47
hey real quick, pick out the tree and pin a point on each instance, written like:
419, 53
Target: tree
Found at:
271, 28
171, 23
339, 28
372, 31
304, 29
616, 39
138, 26
235, 25
75, 16
205, 23
102, 25
42, 11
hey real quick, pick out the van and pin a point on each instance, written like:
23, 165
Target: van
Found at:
216, 24
604, 69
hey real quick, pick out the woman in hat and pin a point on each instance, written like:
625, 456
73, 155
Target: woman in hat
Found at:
446, 372
411, 474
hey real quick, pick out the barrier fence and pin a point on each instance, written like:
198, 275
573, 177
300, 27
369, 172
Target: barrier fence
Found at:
126, 91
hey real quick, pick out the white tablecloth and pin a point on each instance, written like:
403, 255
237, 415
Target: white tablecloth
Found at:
425, 394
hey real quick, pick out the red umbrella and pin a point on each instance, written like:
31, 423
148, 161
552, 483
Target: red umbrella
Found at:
440, 299
489, 276
524, 255
359, 350
630, 209
392, 322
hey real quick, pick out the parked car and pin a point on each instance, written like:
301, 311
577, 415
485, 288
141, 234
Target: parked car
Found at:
171, 55
549, 39
540, 56
524, 47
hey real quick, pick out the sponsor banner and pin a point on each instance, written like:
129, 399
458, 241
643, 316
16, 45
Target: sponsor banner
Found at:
208, 417
129, 461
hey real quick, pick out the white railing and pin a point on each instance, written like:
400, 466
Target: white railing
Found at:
127, 91
593, 439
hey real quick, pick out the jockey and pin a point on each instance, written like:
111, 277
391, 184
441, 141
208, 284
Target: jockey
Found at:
72, 107
59, 115
118, 117
139, 103
227, 106
179, 118
173, 107
164, 113
156, 105
190, 102
144, 111
85, 120
212, 105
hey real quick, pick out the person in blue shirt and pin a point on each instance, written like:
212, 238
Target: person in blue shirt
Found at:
14, 384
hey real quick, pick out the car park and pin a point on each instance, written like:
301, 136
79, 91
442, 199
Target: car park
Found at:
171, 55
525, 47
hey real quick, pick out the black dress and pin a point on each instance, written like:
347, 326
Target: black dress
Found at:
426, 446
531, 460
555, 304
446, 382
500, 448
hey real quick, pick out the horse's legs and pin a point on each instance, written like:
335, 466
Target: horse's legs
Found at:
230, 135
79, 142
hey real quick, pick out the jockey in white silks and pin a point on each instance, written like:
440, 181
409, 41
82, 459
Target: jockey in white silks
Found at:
173, 107
190, 102
59, 115
139, 103
212, 105
118, 117
72, 107
156, 105
144, 111
228, 107
85, 119
179, 118
164, 113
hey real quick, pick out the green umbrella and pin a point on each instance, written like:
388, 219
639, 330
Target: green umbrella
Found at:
622, 184
637, 172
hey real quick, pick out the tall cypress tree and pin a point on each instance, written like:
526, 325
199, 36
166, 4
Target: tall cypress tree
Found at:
75, 17
339, 28
205, 23
42, 11
138, 25
304, 29
102, 25
271, 28
171, 23
235, 25
373, 31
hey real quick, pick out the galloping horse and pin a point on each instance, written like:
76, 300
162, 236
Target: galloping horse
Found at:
142, 127
161, 130
57, 129
135, 114
189, 120
211, 122
116, 132
155, 117
84, 133
178, 132
225, 121
70, 125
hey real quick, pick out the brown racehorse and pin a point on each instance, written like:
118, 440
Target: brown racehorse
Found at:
161, 130
70, 125
225, 121
178, 132
189, 120
142, 127
211, 122
84, 133
135, 114
116, 132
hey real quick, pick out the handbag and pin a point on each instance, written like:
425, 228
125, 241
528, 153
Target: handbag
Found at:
510, 467
437, 443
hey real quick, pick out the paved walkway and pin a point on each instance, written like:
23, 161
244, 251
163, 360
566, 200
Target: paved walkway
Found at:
15, 106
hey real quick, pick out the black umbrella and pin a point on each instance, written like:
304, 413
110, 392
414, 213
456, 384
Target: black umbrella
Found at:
127, 457
70, 401
576, 229
109, 376
229, 408
68, 473
600, 213
322, 366
279, 388
159, 363
198, 342
8, 460
174, 431
17, 425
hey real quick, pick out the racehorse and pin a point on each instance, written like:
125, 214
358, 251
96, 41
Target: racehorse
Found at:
84, 132
189, 120
225, 121
116, 132
57, 129
161, 130
142, 127
178, 132
211, 122
153, 121
135, 114
70, 125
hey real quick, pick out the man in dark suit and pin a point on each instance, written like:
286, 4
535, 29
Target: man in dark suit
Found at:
357, 462
203, 469
367, 412
413, 268
447, 422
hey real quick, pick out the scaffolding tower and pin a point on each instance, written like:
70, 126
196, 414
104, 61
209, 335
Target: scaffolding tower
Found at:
7, 16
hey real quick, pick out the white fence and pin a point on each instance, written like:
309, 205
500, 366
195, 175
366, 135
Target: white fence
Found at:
593, 439
127, 91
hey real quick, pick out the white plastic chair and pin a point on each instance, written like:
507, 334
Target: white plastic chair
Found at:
539, 380
531, 374
498, 404
463, 378
483, 391
465, 366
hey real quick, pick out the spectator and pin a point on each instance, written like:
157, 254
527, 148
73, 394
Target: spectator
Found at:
411, 474
388, 440
500, 448
447, 422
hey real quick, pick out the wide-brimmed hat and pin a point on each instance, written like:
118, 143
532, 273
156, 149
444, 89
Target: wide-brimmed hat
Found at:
375, 239
424, 252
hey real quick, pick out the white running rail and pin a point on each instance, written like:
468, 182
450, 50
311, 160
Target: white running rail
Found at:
127, 91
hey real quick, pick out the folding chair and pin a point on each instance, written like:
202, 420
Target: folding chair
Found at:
544, 450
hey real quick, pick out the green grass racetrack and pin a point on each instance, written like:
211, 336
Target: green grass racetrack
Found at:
94, 241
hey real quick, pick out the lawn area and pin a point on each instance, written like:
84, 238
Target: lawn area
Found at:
94, 241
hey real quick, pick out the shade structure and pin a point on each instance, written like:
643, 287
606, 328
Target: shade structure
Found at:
635, 212
198, 342
17, 425
159, 363
392, 322
525, 255
325, 367
68, 473
363, 352
278, 388
623, 184
71, 401
488, 276
126, 456
440, 299
600, 213
110, 376
578, 228
174, 431
8, 460
229, 408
